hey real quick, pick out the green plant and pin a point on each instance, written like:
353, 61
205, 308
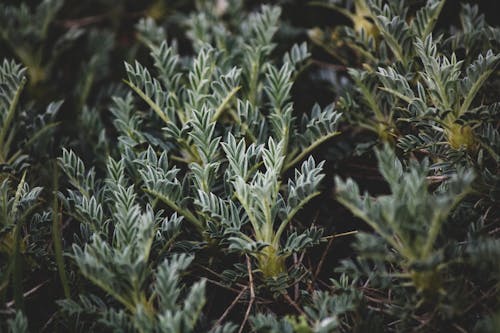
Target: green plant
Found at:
425, 91
123, 252
445, 93
16, 208
324, 311
26, 32
18, 324
410, 254
195, 197
410, 219
267, 210
19, 138
233, 198
436, 89
224, 103
18, 135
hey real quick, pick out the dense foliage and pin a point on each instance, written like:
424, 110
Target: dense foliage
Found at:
220, 187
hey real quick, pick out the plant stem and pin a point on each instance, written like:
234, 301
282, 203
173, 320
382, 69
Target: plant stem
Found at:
305, 152
149, 101
56, 237
294, 211
8, 119
187, 214
17, 277
224, 103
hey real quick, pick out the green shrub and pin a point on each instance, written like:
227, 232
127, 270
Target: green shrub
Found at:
205, 192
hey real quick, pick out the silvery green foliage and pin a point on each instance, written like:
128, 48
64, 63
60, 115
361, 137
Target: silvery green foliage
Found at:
235, 95
255, 198
417, 93
22, 135
410, 218
322, 312
83, 200
17, 205
213, 166
12, 81
24, 25
409, 246
20, 130
269, 323
389, 18
149, 32
406, 40
18, 324
205, 104
26, 32
215, 148
426, 92
117, 255
326, 310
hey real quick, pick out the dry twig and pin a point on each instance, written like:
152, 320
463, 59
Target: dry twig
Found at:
252, 294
